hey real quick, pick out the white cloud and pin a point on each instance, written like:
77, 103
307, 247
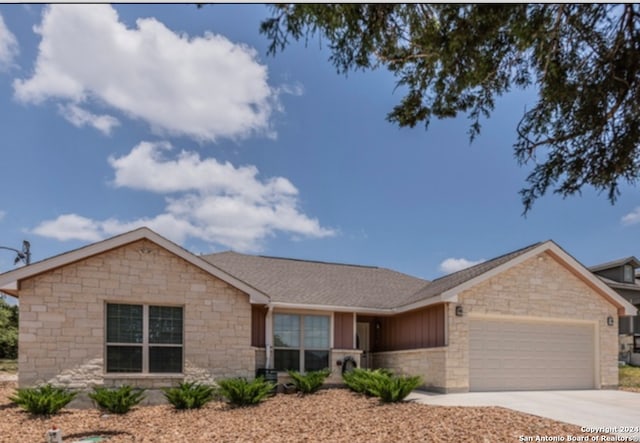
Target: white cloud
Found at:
451, 265
631, 218
205, 199
3, 214
69, 227
205, 87
8, 46
81, 117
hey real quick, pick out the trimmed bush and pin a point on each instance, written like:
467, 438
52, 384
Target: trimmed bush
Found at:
189, 395
241, 392
44, 400
118, 400
381, 383
311, 381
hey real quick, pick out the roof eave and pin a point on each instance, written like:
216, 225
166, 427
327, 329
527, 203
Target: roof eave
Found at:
615, 264
9, 280
623, 306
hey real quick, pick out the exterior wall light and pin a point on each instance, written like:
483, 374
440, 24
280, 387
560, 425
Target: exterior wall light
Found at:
610, 320
459, 311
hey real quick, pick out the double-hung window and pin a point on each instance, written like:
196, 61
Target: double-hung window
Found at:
144, 338
301, 342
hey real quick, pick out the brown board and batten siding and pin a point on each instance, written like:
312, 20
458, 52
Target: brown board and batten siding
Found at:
422, 328
343, 330
258, 318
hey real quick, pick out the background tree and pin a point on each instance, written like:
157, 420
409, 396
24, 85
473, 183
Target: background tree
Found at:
583, 59
8, 330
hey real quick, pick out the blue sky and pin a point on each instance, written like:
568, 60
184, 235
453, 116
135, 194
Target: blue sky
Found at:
113, 117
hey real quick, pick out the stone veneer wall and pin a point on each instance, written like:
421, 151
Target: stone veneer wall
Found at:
429, 363
538, 287
62, 316
338, 355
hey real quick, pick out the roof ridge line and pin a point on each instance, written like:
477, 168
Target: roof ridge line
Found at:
318, 261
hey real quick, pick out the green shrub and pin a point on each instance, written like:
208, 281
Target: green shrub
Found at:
381, 383
241, 392
311, 381
44, 400
395, 388
190, 395
119, 400
362, 380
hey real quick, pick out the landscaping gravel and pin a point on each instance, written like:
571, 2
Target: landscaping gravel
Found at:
331, 415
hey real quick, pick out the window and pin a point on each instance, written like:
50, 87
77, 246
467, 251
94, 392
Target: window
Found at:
142, 338
628, 274
301, 342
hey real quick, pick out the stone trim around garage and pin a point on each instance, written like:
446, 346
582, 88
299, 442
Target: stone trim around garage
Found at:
429, 363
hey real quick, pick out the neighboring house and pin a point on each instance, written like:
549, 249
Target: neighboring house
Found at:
620, 275
139, 309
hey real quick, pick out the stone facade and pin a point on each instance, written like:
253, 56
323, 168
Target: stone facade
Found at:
541, 288
62, 318
338, 355
429, 363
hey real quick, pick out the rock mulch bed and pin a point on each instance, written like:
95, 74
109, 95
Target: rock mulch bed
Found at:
334, 415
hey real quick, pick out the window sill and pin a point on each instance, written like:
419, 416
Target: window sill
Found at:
140, 375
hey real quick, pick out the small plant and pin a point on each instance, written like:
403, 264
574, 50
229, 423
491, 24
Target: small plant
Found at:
391, 389
190, 395
311, 381
362, 380
381, 383
44, 400
241, 392
119, 400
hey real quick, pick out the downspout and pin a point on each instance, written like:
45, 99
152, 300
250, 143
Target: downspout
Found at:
268, 335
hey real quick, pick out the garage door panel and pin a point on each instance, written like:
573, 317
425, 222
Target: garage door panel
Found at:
514, 355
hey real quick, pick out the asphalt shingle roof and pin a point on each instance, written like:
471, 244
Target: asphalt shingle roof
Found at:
320, 283
442, 284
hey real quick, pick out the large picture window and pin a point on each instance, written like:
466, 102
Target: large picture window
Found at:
144, 339
301, 342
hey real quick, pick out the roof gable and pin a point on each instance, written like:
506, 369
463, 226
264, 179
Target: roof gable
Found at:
9, 280
329, 286
452, 285
456, 279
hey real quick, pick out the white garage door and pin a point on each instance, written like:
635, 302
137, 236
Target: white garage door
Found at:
528, 355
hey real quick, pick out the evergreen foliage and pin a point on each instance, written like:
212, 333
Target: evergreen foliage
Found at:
43, 400
117, 400
8, 330
189, 395
381, 383
311, 381
242, 392
582, 59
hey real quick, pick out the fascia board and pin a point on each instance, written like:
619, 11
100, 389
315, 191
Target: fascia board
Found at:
9, 280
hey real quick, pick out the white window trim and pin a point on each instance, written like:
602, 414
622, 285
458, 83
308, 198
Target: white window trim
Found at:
301, 314
145, 345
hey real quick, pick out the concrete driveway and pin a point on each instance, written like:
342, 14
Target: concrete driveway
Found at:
602, 408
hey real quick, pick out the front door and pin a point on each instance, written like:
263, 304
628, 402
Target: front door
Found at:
362, 331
